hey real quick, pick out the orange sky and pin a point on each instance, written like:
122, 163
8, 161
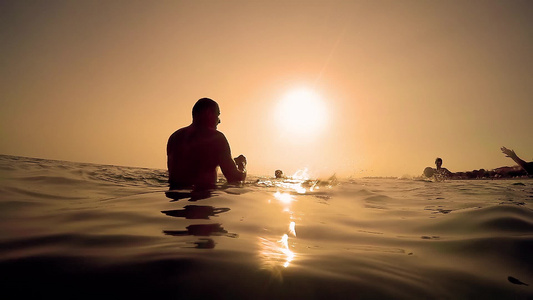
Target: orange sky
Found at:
403, 81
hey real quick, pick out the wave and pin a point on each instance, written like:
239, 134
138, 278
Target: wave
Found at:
43, 171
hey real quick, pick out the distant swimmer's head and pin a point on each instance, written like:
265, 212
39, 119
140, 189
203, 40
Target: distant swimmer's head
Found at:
205, 113
279, 173
438, 162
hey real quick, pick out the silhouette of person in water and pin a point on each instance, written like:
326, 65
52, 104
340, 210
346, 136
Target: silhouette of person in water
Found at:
440, 170
194, 152
527, 166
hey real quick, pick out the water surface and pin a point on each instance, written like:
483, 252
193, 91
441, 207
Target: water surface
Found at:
84, 230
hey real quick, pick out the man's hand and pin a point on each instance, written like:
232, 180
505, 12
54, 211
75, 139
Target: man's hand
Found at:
240, 161
508, 152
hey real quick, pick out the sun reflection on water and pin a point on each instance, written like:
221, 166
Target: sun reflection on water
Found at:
285, 250
277, 253
292, 228
285, 198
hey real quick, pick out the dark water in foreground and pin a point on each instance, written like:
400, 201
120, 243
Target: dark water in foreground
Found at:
73, 230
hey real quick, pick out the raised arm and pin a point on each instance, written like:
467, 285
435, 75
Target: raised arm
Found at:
510, 153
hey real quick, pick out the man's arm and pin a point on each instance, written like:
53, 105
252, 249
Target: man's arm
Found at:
513, 156
233, 169
525, 165
446, 172
170, 156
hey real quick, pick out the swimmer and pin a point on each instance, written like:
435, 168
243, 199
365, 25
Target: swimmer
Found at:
440, 170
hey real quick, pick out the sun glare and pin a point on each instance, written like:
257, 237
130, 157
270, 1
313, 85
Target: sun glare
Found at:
301, 112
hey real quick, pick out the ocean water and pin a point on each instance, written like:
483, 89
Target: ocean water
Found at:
74, 230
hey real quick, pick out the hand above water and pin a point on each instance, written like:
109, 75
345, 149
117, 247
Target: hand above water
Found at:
508, 152
240, 161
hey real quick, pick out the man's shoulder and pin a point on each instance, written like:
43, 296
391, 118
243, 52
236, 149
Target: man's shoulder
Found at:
217, 138
219, 134
197, 133
181, 130
177, 133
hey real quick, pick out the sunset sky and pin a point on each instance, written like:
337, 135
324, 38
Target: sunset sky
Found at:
386, 86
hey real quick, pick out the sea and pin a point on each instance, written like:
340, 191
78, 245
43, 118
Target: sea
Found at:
88, 231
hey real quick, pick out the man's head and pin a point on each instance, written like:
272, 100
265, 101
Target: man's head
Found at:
205, 113
438, 162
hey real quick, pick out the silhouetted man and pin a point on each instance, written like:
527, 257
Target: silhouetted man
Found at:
194, 152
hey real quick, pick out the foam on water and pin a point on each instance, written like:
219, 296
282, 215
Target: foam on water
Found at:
87, 230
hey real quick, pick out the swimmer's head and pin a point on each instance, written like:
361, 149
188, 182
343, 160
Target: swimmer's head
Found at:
205, 113
438, 162
278, 173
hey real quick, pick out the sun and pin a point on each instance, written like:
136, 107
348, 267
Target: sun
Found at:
301, 112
